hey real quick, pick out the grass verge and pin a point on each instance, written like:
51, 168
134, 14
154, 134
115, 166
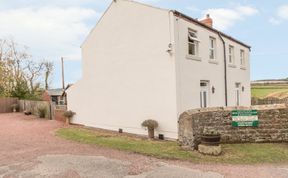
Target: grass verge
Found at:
232, 153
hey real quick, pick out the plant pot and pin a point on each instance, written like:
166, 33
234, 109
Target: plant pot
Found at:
67, 121
210, 140
151, 133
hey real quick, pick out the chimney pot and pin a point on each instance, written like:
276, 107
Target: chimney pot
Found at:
207, 21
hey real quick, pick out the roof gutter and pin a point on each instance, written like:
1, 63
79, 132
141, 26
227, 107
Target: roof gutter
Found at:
225, 69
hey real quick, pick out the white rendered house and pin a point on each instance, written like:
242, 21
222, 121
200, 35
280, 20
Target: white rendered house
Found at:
142, 62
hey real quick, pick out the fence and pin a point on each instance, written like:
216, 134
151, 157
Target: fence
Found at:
268, 100
6, 103
32, 106
54, 112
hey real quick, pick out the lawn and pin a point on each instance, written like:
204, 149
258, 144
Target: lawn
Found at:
263, 91
232, 153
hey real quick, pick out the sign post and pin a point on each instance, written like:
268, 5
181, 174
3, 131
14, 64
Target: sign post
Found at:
245, 118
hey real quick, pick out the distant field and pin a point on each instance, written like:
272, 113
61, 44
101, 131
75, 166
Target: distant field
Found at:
263, 91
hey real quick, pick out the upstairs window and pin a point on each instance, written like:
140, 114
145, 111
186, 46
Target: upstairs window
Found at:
242, 57
193, 43
231, 54
212, 49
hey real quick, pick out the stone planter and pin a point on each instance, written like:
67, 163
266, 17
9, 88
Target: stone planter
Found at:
210, 140
151, 133
67, 121
210, 150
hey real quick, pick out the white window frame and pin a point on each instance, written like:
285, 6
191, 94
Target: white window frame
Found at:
242, 57
212, 48
231, 55
193, 40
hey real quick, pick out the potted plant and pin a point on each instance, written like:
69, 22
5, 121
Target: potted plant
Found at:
68, 115
27, 112
15, 107
42, 111
151, 125
210, 137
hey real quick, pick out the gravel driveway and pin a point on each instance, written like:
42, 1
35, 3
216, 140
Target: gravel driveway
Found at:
28, 148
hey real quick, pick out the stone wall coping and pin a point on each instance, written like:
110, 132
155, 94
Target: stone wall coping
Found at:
255, 107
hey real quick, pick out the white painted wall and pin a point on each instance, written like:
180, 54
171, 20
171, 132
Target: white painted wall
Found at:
190, 72
128, 76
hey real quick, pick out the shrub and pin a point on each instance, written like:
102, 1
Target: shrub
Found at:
42, 111
151, 126
68, 115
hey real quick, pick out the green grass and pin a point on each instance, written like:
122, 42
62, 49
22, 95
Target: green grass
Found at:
263, 91
232, 153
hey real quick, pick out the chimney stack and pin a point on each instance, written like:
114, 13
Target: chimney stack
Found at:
207, 21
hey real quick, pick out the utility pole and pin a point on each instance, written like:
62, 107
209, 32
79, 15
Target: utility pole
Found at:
63, 80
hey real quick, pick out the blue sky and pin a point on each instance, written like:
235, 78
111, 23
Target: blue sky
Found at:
53, 28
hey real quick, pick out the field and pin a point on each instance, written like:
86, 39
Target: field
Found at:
269, 90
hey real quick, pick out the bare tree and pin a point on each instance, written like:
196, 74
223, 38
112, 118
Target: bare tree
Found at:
48, 69
33, 72
19, 73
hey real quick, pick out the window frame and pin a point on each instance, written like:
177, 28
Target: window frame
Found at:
242, 57
212, 47
193, 40
231, 54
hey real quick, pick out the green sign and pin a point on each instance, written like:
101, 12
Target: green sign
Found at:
245, 118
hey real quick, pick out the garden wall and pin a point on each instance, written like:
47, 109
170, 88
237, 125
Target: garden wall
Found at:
273, 125
58, 115
268, 100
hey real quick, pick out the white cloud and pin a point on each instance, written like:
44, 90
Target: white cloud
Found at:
224, 18
50, 31
281, 15
246, 10
283, 12
274, 21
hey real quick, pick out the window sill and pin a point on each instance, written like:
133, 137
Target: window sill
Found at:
232, 65
243, 67
213, 61
195, 58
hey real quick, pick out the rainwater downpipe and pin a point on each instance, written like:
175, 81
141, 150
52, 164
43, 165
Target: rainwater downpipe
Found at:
225, 69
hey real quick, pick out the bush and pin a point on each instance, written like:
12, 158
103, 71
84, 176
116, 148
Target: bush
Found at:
42, 111
69, 114
151, 126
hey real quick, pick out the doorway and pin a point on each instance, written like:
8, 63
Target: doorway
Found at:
204, 94
238, 94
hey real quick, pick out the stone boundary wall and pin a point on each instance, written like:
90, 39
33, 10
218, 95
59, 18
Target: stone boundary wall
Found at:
59, 115
273, 125
268, 101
